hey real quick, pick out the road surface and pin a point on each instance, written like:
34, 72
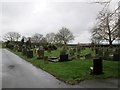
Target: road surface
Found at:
18, 73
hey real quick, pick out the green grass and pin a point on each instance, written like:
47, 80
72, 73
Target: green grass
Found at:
0, 45
73, 71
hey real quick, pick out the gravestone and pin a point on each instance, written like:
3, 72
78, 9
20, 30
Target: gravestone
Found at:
96, 51
19, 49
78, 51
63, 56
16, 47
88, 56
24, 51
97, 66
45, 59
71, 54
116, 55
29, 53
100, 53
40, 53
106, 54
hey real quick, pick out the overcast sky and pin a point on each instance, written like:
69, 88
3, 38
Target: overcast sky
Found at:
44, 16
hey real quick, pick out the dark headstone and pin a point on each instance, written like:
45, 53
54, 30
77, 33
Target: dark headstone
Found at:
116, 57
63, 57
29, 53
24, 51
96, 50
88, 56
63, 53
97, 66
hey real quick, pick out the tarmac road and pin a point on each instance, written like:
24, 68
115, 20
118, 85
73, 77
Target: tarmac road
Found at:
18, 73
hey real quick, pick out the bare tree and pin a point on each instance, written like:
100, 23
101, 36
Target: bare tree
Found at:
36, 38
12, 36
118, 22
65, 35
106, 29
57, 40
50, 37
96, 38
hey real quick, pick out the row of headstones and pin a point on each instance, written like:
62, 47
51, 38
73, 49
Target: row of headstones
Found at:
100, 52
108, 53
39, 52
104, 53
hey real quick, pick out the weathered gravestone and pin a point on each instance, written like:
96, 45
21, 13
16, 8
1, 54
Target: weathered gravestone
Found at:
16, 47
106, 54
72, 53
100, 53
40, 53
19, 49
45, 59
24, 51
78, 51
29, 53
88, 56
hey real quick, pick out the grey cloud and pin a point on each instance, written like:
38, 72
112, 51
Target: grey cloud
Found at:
43, 17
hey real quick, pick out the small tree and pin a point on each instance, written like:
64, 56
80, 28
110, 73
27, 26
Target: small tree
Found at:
50, 38
65, 35
36, 38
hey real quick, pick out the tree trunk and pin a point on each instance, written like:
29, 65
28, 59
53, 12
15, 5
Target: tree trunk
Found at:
110, 42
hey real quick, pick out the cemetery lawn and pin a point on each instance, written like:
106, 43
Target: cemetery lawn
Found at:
0, 45
72, 72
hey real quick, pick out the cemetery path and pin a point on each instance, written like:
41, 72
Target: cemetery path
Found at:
18, 73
